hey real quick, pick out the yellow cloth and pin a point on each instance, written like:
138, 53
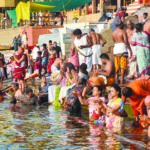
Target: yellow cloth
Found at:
120, 62
23, 10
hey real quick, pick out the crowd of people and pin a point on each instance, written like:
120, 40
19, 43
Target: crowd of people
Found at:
89, 77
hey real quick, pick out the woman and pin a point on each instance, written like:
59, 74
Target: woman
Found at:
141, 41
115, 110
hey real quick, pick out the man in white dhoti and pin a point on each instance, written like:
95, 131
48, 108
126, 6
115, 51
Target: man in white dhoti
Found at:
98, 42
83, 44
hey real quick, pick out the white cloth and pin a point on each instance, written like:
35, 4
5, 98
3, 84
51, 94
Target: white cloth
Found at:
96, 54
84, 51
51, 93
24, 39
35, 52
120, 48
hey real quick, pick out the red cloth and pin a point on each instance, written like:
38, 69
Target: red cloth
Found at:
141, 89
18, 73
50, 63
121, 14
18, 57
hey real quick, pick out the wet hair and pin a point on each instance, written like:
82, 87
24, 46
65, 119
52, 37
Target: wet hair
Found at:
50, 41
100, 89
117, 88
82, 81
29, 51
139, 27
70, 66
136, 16
145, 14
92, 30
16, 85
104, 56
29, 90
39, 52
127, 92
44, 45
83, 68
77, 32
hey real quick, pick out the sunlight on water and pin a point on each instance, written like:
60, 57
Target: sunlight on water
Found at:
46, 128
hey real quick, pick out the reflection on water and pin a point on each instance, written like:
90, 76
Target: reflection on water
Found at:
47, 128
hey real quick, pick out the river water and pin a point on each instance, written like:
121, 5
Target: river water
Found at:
44, 127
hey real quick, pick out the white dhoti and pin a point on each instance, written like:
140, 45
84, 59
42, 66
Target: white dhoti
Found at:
96, 54
120, 48
87, 61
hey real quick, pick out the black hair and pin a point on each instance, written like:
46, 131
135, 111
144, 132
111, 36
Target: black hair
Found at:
16, 85
104, 56
44, 45
145, 14
29, 51
29, 90
92, 30
139, 27
127, 92
82, 81
77, 32
83, 68
117, 88
70, 66
50, 41
100, 89
39, 52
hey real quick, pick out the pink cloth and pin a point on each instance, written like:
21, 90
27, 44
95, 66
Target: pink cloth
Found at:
74, 59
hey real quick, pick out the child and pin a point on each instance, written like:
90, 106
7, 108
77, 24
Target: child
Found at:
83, 71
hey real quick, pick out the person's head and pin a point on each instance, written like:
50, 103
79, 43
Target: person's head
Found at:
92, 30
83, 67
50, 42
145, 15
44, 46
63, 67
20, 50
82, 81
39, 53
55, 44
15, 86
104, 58
115, 91
118, 22
29, 92
139, 27
127, 92
77, 33
130, 24
12, 58
70, 67
97, 90
29, 51
43, 80
63, 58
136, 16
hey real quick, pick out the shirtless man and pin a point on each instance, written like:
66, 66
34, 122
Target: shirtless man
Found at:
107, 69
98, 42
120, 50
133, 63
18, 92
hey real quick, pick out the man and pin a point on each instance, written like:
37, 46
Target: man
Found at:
45, 57
30, 99
133, 63
57, 49
83, 45
136, 92
18, 92
50, 45
98, 42
107, 69
120, 50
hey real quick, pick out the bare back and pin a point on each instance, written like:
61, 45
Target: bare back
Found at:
119, 36
147, 27
95, 37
